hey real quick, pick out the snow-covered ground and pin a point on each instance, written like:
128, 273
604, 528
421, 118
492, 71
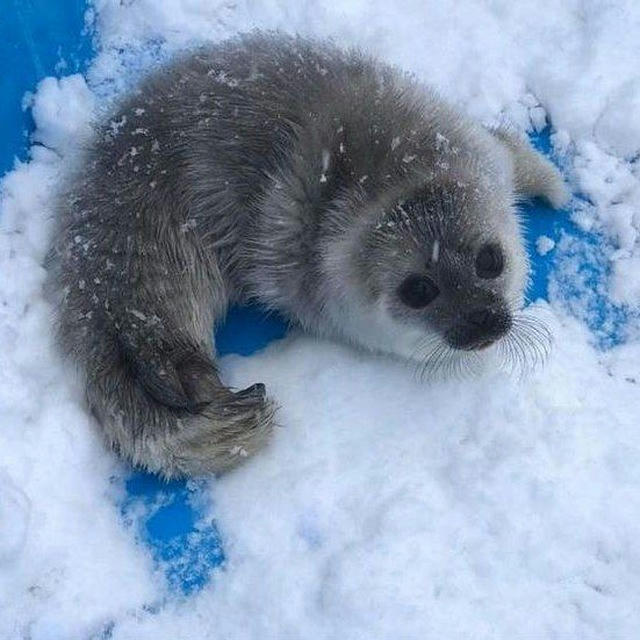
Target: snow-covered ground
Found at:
385, 507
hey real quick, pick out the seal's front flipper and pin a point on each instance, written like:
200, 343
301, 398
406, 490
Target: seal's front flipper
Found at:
534, 174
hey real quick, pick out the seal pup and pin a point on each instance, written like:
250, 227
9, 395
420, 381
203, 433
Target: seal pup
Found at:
315, 181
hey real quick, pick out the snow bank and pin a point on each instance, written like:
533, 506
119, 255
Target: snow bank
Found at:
385, 508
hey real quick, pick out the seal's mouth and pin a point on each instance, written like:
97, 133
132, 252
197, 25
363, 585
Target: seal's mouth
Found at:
517, 343
476, 346
484, 345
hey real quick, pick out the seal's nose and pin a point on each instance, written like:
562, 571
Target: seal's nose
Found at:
479, 328
480, 318
488, 322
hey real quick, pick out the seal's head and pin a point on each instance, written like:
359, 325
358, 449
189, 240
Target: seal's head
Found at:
440, 272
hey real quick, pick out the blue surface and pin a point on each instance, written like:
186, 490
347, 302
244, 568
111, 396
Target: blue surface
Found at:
47, 37
540, 219
586, 288
38, 38
248, 329
167, 517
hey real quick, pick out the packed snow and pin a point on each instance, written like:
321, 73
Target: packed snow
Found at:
385, 507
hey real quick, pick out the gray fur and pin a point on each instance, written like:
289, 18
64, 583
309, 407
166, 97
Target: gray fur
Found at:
287, 172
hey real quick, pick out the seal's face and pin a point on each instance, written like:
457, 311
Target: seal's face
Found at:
458, 293
443, 270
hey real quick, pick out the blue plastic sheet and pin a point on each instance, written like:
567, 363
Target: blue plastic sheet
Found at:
38, 38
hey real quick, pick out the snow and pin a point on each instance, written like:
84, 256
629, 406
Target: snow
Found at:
385, 507
60, 108
544, 244
625, 280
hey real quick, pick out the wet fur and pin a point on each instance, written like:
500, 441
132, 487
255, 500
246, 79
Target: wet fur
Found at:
252, 170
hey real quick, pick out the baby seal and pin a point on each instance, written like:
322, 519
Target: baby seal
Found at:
312, 180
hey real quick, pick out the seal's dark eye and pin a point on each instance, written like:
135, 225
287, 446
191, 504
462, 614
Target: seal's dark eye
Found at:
489, 261
417, 291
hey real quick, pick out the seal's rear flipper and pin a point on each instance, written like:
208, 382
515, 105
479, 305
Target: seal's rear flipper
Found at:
534, 174
182, 419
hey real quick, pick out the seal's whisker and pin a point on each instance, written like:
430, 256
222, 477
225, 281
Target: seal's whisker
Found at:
526, 346
433, 364
422, 353
537, 333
